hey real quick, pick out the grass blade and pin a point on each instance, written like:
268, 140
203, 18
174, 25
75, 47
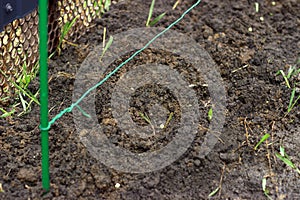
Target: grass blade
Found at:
150, 12
264, 138
169, 119
152, 23
284, 77
214, 192
110, 41
145, 117
291, 99
210, 114
285, 160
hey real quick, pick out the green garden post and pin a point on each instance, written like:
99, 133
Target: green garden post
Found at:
43, 31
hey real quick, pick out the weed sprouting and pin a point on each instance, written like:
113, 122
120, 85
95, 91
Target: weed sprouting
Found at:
264, 188
21, 85
286, 159
294, 71
105, 45
154, 21
264, 138
65, 30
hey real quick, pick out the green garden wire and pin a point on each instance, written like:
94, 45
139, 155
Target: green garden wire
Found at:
44, 124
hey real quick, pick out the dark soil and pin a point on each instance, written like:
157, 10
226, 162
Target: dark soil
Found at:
257, 102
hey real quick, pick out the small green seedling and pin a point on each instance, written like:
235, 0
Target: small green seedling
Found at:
6, 113
148, 120
213, 193
100, 6
21, 84
145, 117
169, 119
293, 102
264, 187
286, 159
153, 22
264, 138
293, 71
107, 4
65, 30
107, 45
210, 114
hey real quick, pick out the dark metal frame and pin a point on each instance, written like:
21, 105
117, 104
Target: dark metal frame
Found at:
15, 9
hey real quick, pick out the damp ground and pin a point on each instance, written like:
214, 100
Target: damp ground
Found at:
249, 46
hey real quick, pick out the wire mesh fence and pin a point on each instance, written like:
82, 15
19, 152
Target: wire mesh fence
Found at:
19, 39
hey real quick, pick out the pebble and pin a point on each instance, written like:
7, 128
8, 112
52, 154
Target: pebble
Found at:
117, 185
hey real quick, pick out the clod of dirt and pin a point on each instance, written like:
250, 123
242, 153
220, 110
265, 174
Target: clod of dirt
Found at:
102, 179
151, 182
27, 174
229, 157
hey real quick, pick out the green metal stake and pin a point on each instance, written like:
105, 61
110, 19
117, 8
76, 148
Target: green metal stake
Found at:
43, 30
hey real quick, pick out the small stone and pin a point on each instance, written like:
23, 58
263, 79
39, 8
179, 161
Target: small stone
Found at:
117, 185
197, 162
250, 29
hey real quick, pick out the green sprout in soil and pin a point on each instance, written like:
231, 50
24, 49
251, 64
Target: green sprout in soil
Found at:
21, 84
169, 119
293, 71
213, 193
286, 159
159, 17
148, 120
264, 187
154, 21
210, 114
65, 30
7, 113
264, 138
105, 45
100, 6
293, 102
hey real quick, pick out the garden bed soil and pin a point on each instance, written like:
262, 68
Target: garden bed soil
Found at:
248, 47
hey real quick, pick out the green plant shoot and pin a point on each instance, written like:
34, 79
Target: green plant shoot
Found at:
153, 22
264, 138
210, 114
286, 159
65, 31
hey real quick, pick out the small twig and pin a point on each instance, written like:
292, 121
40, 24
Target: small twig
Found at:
176, 4
247, 133
238, 69
221, 179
